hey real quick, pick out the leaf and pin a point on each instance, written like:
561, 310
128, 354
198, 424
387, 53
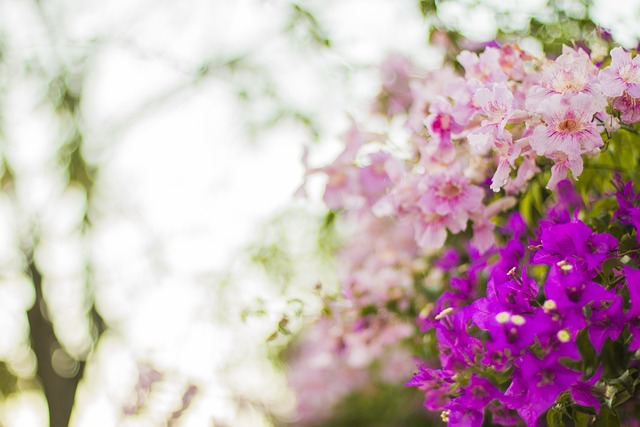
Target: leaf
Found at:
580, 419
588, 353
606, 418
628, 243
554, 418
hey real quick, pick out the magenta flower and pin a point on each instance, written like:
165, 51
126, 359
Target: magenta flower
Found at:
606, 323
467, 409
633, 314
436, 385
575, 243
623, 75
537, 384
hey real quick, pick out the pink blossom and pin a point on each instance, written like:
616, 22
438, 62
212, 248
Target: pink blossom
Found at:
462, 94
445, 204
485, 67
483, 237
373, 179
395, 97
512, 61
507, 154
526, 172
569, 126
628, 106
425, 91
496, 104
441, 126
563, 163
571, 73
623, 75
431, 228
450, 194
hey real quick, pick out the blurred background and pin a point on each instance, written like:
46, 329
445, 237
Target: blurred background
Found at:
154, 264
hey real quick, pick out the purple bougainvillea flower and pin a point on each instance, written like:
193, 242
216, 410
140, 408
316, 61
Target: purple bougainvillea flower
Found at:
449, 260
582, 391
455, 346
633, 314
569, 287
436, 385
575, 241
606, 323
510, 334
537, 384
467, 409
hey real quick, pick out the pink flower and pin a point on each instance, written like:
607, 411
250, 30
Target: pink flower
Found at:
395, 97
483, 237
572, 72
629, 107
526, 172
446, 203
623, 75
496, 104
447, 195
507, 152
563, 162
485, 67
431, 228
568, 126
441, 125
425, 91
462, 94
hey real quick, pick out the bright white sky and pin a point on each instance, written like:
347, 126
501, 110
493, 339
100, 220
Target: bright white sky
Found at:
182, 188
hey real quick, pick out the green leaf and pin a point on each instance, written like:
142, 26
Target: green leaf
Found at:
580, 419
554, 418
606, 418
628, 243
588, 353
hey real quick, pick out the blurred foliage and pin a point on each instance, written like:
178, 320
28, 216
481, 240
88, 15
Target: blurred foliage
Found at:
557, 23
8, 381
381, 405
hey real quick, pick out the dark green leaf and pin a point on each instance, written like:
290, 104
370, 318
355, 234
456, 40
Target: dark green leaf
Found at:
580, 419
588, 353
554, 418
606, 418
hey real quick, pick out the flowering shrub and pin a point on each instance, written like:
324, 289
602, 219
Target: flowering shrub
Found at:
496, 240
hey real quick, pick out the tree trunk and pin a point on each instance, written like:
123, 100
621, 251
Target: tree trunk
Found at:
59, 391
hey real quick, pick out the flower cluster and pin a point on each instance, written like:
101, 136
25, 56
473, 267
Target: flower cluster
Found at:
525, 284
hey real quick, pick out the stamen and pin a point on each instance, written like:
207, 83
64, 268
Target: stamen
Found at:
444, 313
563, 336
549, 305
518, 320
503, 317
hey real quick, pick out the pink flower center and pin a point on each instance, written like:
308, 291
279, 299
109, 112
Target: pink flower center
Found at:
450, 190
337, 178
568, 126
